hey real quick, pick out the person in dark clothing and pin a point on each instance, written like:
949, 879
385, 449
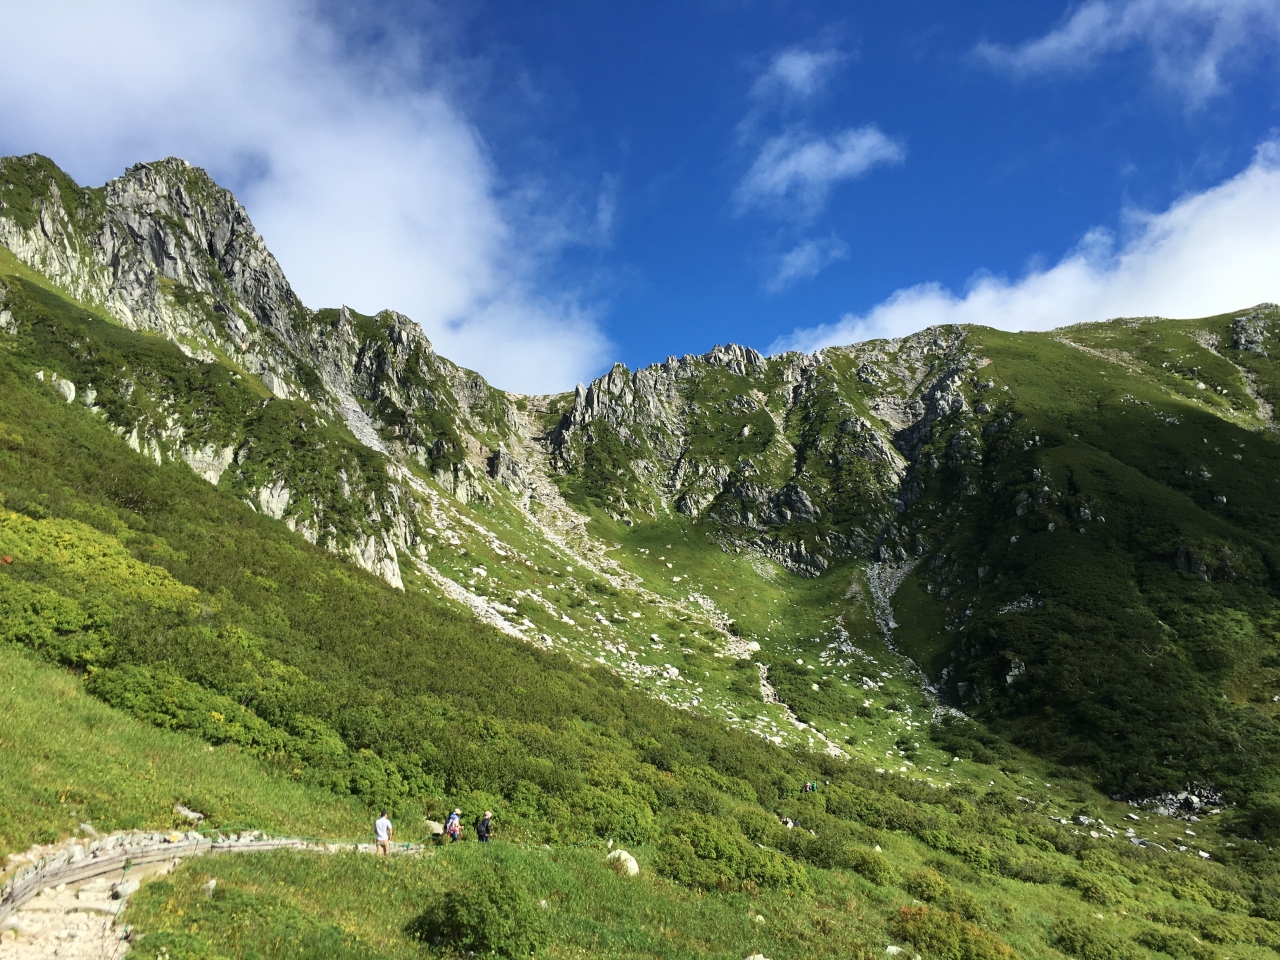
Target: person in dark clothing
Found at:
484, 826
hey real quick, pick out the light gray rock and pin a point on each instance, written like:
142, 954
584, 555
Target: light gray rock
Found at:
64, 387
1249, 332
274, 499
125, 888
187, 813
622, 863
210, 462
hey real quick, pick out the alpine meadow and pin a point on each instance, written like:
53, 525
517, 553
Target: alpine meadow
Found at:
964, 645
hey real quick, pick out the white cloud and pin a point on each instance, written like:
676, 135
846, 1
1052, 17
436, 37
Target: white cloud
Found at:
794, 172
798, 73
1189, 40
805, 260
1208, 253
371, 187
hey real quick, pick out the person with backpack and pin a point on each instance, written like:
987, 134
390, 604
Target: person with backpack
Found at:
382, 833
484, 826
453, 826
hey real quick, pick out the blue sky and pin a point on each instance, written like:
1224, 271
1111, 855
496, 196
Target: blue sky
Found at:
551, 187
669, 104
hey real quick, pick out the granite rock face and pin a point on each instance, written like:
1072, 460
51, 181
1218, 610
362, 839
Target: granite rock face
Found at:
801, 458
165, 250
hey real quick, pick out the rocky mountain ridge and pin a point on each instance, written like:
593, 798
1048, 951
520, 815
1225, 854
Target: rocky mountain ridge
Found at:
165, 250
934, 476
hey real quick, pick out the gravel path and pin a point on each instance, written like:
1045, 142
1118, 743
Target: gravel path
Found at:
64, 900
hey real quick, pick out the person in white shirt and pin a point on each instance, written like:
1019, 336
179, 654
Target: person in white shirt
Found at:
382, 832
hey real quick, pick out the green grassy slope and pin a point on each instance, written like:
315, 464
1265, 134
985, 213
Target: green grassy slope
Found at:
67, 758
1111, 599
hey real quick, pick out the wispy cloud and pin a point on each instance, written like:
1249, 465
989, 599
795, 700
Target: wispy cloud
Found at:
805, 260
798, 73
1208, 253
1189, 40
795, 171
606, 209
358, 166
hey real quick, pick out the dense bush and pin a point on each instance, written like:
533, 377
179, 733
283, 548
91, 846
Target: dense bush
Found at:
878, 809
1179, 945
711, 854
1089, 941
1096, 890
947, 936
927, 885
870, 864
488, 912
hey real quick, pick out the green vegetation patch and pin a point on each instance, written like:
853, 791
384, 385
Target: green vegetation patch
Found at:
66, 758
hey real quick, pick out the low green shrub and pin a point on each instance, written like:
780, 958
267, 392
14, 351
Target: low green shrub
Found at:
869, 864
1031, 871
1089, 941
1096, 890
1177, 944
926, 884
709, 853
881, 810
947, 936
486, 913
971, 852
968, 906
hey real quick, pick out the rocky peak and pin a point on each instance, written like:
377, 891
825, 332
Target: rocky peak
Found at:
734, 358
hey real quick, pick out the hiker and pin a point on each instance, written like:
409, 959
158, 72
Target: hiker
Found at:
453, 826
382, 832
483, 826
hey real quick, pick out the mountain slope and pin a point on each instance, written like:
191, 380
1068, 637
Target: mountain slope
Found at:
651, 609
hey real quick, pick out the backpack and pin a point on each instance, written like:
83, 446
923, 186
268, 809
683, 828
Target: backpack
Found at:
453, 827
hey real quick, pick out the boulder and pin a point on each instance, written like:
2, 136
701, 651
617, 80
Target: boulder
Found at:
622, 863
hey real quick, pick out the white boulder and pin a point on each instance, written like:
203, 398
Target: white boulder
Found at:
622, 863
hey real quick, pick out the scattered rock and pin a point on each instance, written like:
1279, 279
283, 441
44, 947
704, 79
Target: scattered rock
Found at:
125, 888
1249, 333
187, 813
